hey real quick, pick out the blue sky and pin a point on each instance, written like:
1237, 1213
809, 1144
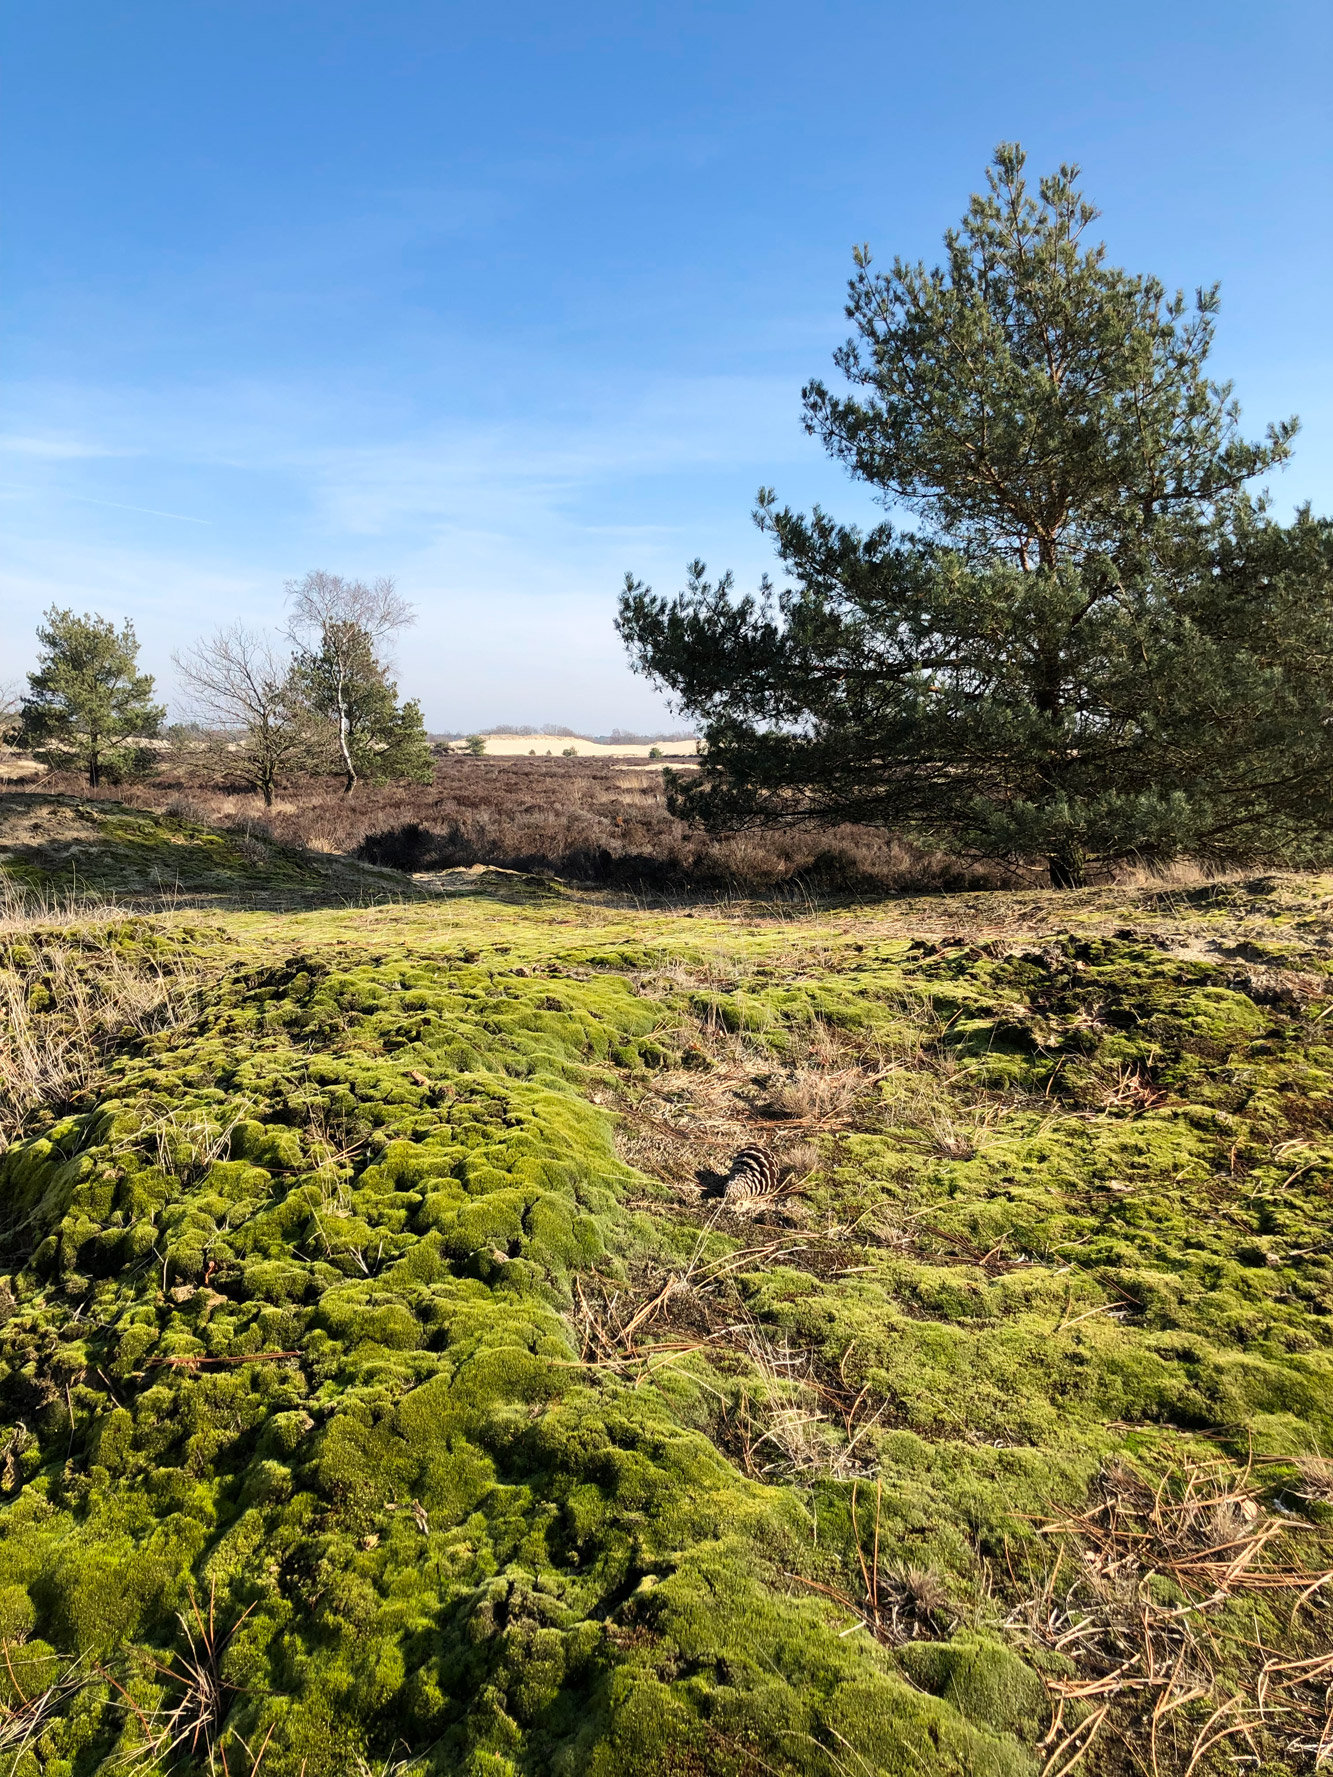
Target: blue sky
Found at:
505, 300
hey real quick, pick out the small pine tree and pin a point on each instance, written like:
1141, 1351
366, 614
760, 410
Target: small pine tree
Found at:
402, 749
86, 702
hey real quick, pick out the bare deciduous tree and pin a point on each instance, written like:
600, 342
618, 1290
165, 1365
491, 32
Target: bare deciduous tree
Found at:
238, 681
345, 622
11, 705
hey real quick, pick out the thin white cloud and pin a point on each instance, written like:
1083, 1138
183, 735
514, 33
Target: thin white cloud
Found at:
123, 506
53, 449
511, 535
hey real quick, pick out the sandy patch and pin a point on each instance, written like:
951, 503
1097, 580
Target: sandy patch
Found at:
510, 746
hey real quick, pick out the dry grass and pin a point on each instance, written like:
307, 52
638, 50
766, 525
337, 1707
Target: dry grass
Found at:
68, 995
25, 910
684, 1126
733, 1092
192, 1717
1316, 1479
185, 1146
925, 1104
1135, 1600
33, 1704
777, 1417
1181, 873
892, 1604
783, 1415
787, 1416
818, 1099
1123, 1090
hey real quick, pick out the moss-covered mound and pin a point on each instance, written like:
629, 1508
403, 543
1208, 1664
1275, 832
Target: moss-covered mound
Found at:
64, 843
369, 1412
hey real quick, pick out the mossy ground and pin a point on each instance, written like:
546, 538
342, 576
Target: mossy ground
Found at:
62, 844
371, 1351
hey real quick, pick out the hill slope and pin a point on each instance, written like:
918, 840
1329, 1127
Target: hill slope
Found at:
68, 844
391, 1389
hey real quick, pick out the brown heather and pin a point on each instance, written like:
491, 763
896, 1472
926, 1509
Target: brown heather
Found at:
580, 819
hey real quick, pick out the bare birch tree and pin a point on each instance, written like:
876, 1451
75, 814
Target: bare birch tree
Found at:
345, 623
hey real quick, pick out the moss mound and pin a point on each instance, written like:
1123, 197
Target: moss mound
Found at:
321, 1461
62, 843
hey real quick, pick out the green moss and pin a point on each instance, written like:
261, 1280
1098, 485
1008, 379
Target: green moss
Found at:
62, 844
292, 1329
982, 1679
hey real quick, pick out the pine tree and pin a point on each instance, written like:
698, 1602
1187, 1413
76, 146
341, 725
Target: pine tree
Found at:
86, 702
1028, 400
402, 750
1095, 644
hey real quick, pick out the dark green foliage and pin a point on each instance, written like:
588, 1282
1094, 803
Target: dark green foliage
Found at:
1027, 398
402, 750
1097, 647
341, 679
86, 703
896, 684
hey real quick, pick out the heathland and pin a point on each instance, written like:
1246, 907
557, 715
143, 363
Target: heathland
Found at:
535, 1267
584, 820
390, 1386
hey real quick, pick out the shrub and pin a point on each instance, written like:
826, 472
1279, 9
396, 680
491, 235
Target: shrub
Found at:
409, 847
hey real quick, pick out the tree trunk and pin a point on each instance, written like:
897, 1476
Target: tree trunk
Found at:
266, 759
94, 770
1068, 867
344, 747
1066, 862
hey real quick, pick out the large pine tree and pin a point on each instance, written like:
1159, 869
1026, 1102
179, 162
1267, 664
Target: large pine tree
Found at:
1094, 643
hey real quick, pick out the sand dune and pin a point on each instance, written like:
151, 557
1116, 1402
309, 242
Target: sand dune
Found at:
505, 746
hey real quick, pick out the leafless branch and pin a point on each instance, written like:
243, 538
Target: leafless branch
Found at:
325, 601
